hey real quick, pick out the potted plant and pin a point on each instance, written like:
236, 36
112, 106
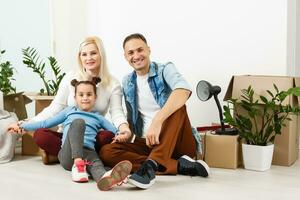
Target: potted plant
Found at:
32, 60
6, 76
258, 120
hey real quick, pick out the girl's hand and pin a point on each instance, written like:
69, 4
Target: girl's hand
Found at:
15, 128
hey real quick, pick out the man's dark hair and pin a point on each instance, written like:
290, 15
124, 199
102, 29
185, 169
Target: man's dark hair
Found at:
134, 36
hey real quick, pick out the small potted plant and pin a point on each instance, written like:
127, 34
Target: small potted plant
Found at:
258, 120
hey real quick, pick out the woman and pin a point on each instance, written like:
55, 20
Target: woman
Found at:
92, 63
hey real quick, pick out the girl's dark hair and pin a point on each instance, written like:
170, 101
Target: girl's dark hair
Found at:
93, 82
134, 36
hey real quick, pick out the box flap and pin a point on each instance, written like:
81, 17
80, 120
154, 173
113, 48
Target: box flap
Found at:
38, 96
228, 93
16, 103
259, 84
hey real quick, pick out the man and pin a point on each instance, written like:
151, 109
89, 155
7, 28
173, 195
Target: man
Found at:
162, 140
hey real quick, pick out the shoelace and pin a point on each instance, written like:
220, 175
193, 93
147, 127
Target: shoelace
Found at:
80, 165
143, 169
189, 169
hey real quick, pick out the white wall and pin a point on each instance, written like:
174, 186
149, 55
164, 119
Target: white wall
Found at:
210, 40
297, 36
23, 24
69, 27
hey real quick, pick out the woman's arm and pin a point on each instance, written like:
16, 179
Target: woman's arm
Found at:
106, 125
115, 106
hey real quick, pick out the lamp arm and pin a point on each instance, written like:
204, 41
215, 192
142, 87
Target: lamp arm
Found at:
220, 112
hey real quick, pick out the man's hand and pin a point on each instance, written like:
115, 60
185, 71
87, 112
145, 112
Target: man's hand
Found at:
122, 137
152, 136
124, 134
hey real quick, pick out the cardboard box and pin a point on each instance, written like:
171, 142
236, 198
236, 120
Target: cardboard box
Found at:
29, 147
16, 103
221, 151
286, 144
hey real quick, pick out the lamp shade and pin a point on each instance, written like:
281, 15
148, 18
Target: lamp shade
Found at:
204, 90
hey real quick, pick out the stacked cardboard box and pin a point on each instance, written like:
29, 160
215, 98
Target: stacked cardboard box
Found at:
29, 147
221, 151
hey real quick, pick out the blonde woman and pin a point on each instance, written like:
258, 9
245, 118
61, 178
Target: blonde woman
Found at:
92, 63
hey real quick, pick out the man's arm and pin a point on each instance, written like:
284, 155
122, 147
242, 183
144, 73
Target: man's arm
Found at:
176, 100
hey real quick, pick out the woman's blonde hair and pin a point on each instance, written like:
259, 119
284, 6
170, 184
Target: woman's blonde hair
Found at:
104, 74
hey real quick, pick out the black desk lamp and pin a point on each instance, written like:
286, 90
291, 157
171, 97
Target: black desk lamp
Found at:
204, 92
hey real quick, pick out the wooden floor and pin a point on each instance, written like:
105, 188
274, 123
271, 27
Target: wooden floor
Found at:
28, 178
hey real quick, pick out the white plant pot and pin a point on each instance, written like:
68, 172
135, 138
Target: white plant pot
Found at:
256, 157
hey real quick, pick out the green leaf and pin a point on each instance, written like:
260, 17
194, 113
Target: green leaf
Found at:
294, 91
32, 60
264, 99
276, 88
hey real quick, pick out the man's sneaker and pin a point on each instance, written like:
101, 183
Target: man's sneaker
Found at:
145, 176
189, 166
49, 159
115, 176
79, 173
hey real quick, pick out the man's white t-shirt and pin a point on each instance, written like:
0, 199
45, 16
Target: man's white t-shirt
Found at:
146, 102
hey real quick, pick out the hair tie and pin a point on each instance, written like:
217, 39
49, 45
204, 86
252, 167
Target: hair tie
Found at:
74, 82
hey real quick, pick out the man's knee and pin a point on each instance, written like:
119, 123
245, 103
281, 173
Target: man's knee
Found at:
109, 152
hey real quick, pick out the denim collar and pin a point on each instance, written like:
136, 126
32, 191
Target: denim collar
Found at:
152, 72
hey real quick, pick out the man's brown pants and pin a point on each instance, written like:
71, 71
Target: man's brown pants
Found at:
175, 139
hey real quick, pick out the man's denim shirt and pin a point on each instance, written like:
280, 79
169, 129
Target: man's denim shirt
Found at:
163, 79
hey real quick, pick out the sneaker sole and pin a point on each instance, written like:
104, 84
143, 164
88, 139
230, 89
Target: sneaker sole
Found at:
119, 173
82, 180
140, 185
204, 164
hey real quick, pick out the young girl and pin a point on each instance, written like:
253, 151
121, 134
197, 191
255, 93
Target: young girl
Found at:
77, 152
